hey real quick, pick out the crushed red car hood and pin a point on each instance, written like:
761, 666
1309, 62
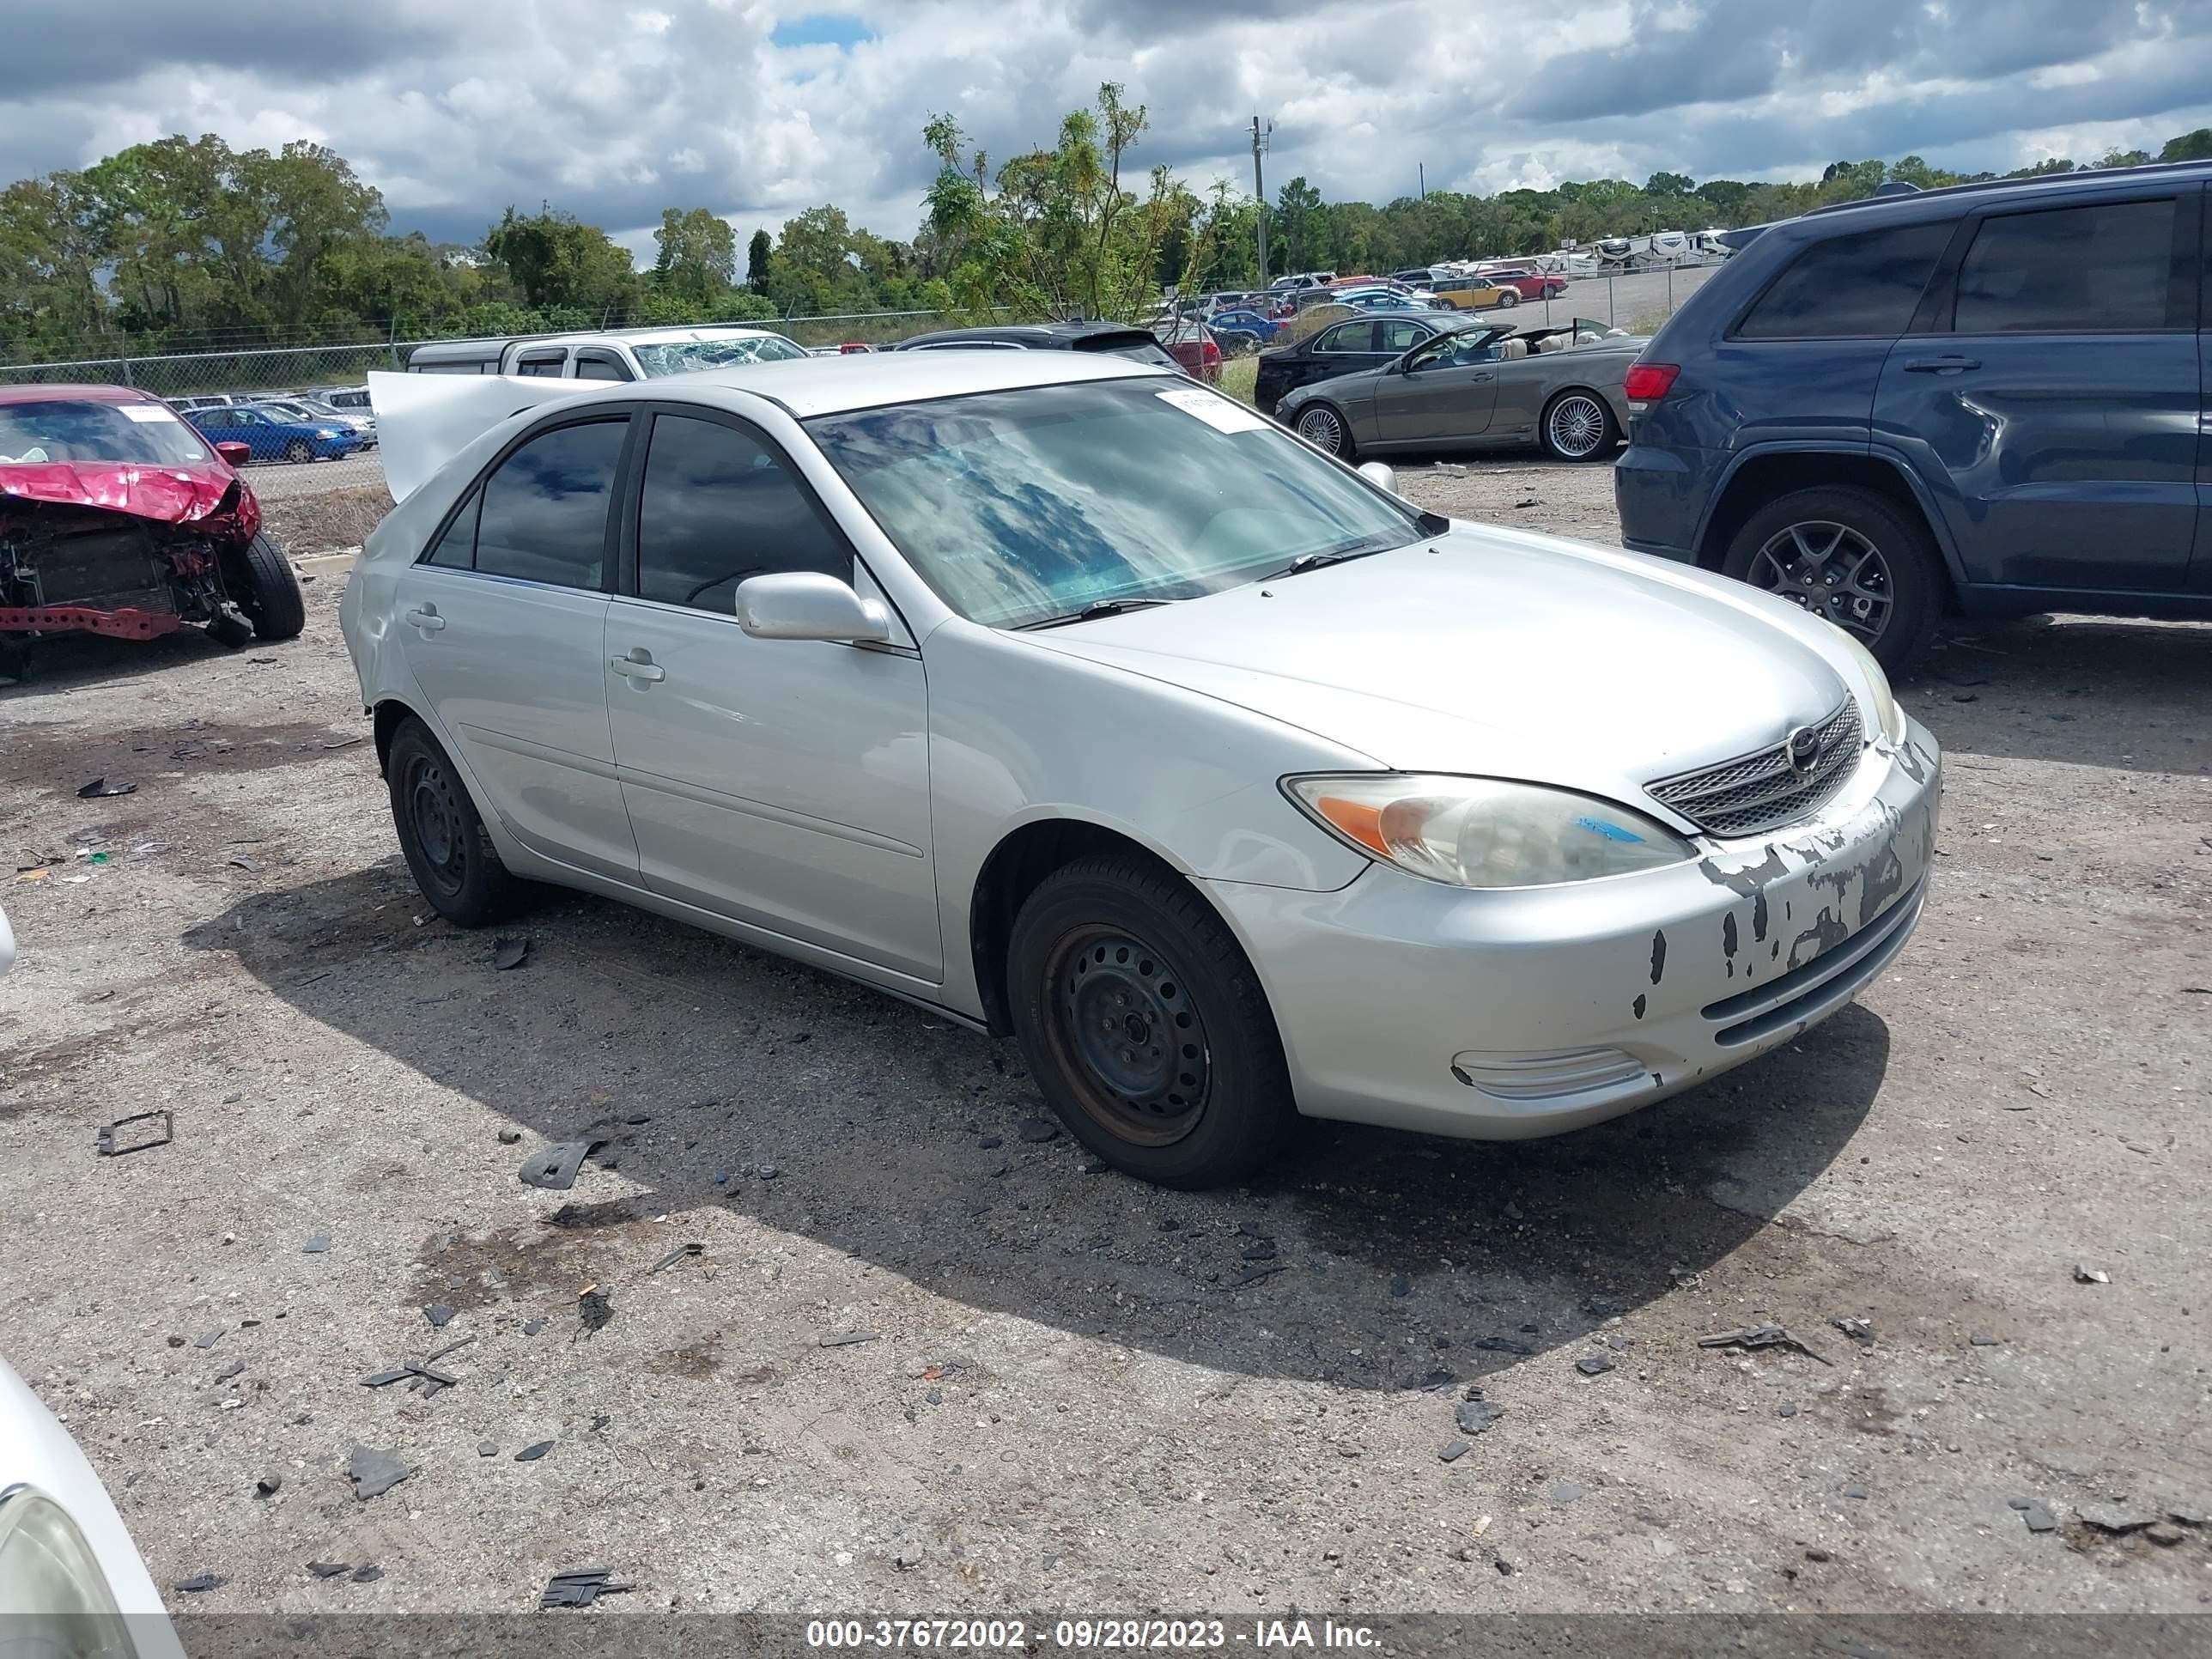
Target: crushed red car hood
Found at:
173, 495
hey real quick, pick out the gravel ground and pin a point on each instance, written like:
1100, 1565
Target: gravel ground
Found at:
1066, 1391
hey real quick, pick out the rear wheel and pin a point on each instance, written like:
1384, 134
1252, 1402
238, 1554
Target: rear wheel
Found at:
299, 451
1324, 427
1578, 426
1851, 556
440, 832
273, 597
1145, 1025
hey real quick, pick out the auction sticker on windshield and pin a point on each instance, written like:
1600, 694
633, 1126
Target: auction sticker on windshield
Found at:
146, 412
1216, 411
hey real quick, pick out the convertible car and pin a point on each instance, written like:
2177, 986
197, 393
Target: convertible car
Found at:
1478, 388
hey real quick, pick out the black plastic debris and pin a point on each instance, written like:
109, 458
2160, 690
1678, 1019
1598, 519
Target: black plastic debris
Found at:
1453, 1450
316, 1245
692, 1247
1473, 1416
1261, 1249
206, 1580
2038, 1519
373, 1473
531, 1453
1253, 1275
369, 1575
1762, 1336
507, 953
380, 1379
508, 1137
1037, 1129
1860, 1331
1502, 1344
531, 1326
555, 1168
1593, 1365
991, 1143
601, 1422
102, 789
439, 1314
328, 1568
594, 1309
579, 1590
230, 1370
109, 1145
487, 1448
846, 1338
268, 1485
208, 1338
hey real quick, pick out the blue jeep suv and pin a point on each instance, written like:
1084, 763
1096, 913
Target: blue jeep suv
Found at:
1989, 399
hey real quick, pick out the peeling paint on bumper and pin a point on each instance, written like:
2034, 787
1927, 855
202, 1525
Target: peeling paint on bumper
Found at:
1381, 987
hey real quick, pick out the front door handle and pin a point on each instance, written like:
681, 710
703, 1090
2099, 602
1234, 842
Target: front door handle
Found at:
1485, 375
427, 618
638, 666
1939, 365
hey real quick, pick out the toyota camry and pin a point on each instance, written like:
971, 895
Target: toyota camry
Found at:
1081, 704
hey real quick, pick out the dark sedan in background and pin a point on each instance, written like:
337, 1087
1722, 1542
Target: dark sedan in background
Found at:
1347, 347
1485, 386
1119, 339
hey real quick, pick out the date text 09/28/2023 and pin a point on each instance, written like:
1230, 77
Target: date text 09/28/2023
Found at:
1085, 1635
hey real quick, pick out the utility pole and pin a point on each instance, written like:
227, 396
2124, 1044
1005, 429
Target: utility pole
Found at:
1259, 189
1421, 170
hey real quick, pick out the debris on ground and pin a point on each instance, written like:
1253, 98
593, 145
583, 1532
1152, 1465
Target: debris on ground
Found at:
555, 1168
593, 1309
846, 1338
375, 1472
102, 789
1254, 1275
2038, 1519
1476, 1415
487, 1448
1504, 1344
1763, 1336
268, 1485
691, 1247
316, 1245
328, 1568
533, 1452
2088, 1275
507, 953
208, 1339
2115, 1518
206, 1580
1860, 1331
579, 1590
438, 1312
1037, 1129
508, 1137
1453, 1450
1594, 1365
367, 1575
106, 1142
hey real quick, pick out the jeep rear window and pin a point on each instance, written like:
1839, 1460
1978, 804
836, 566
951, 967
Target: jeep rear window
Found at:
1850, 288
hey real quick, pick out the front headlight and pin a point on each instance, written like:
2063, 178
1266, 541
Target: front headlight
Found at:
1886, 714
53, 1596
1485, 832
325, 433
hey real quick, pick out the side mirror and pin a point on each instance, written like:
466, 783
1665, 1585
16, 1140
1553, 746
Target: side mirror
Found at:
236, 454
1383, 478
805, 605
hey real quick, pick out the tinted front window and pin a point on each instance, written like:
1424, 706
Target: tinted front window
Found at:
545, 516
64, 431
1347, 336
718, 505
1860, 287
599, 368
542, 365
2108, 266
1020, 506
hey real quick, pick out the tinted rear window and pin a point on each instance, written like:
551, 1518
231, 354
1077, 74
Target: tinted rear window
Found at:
1860, 287
1136, 346
2109, 266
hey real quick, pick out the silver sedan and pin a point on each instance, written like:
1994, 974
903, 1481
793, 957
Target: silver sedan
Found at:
1079, 702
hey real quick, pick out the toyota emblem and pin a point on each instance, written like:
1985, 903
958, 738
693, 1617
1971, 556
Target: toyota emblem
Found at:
1803, 748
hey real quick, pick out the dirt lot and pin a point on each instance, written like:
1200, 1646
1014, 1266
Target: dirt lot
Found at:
1076, 1393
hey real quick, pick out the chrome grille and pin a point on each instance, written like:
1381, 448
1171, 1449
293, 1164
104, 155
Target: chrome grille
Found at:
1761, 791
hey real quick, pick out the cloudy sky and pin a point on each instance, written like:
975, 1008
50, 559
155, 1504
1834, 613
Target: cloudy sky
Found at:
758, 109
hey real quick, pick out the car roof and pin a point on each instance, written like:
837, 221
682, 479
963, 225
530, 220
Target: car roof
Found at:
672, 336
68, 393
1048, 335
808, 387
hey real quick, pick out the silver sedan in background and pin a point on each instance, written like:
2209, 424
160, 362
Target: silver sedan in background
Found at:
1555, 389
1079, 702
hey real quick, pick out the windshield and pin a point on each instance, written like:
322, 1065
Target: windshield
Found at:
149, 434
1020, 506
690, 357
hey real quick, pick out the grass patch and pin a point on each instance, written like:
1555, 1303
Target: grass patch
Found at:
1238, 377
324, 523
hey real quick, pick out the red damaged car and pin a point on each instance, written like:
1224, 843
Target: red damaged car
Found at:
117, 518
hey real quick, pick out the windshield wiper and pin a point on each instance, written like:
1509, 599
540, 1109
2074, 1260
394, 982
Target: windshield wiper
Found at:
1323, 557
1091, 612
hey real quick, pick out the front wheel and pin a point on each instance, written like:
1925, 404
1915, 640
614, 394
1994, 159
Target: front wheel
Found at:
1851, 556
1578, 426
273, 597
1321, 426
1145, 1025
299, 451
440, 832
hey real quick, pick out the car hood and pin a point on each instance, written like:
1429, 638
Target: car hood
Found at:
172, 494
1494, 653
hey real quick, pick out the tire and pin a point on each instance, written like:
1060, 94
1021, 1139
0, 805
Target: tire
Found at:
273, 597
299, 451
1323, 426
1447, 305
1118, 940
1579, 425
1507, 298
1827, 534
451, 859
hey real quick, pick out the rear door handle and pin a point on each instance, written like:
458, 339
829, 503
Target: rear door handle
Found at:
427, 618
632, 668
1939, 365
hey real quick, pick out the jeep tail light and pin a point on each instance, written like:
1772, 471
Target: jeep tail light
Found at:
1647, 383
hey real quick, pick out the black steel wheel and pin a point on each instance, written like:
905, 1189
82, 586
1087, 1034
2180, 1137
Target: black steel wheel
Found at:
1145, 1025
273, 597
1850, 556
440, 832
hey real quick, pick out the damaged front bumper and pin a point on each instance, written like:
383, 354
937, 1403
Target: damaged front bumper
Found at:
1501, 1015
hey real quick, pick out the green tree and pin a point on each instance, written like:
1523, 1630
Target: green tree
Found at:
1301, 226
1670, 184
2188, 147
697, 255
558, 262
758, 252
